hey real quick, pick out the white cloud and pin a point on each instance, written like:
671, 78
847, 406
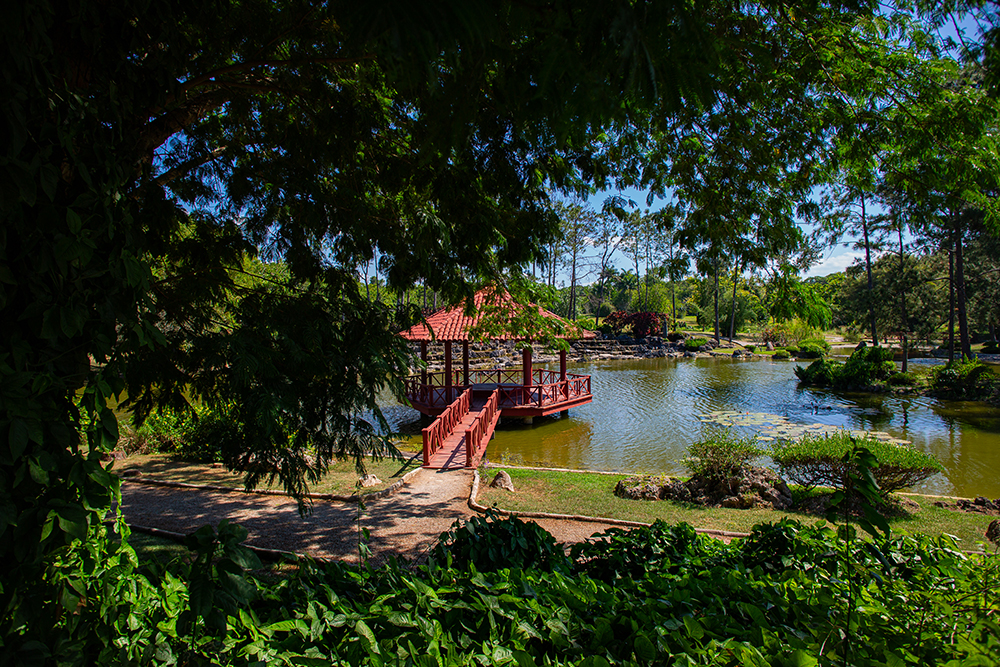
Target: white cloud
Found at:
837, 261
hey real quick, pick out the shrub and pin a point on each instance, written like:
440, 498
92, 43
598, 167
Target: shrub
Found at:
781, 354
819, 461
752, 347
963, 378
616, 321
490, 544
818, 342
163, 431
903, 379
866, 366
639, 552
810, 351
692, 344
792, 349
721, 456
820, 373
646, 323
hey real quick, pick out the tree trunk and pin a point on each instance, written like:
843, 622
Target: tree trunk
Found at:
572, 287
717, 341
951, 301
732, 314
902, 297
673, 304
868, 268
963, 320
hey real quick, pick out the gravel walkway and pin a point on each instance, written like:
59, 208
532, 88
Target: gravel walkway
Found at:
407, 523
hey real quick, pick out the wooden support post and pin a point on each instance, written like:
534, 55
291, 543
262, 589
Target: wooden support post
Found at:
447, 372
465, 363
526, 371
423, 358
562, 374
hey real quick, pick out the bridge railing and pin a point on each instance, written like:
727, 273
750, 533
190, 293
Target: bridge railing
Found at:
546, 387
480, 431
444, 425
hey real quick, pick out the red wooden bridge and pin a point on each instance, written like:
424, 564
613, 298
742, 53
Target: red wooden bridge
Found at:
460, 434
468, 402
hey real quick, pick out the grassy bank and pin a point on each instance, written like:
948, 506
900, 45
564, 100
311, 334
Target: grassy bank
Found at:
340, 479
592, 494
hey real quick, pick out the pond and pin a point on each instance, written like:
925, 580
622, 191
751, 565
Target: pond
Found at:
646, 412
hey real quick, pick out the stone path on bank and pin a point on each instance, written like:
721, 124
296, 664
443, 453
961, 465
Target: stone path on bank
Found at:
406, 523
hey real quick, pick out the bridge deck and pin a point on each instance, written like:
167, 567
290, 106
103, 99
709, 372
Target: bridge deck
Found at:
452, 452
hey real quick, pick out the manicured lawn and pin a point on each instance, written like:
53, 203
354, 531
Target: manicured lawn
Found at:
592, 494
340, 479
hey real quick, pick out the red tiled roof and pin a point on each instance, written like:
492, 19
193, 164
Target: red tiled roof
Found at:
453, 324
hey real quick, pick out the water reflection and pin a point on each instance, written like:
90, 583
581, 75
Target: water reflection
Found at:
644, 415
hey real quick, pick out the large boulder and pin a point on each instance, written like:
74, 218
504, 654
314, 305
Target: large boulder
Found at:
503, 481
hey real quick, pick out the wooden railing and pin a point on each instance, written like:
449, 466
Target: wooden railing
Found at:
480, 431
444, 425
546, 387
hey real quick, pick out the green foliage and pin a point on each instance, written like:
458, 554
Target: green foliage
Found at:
721, 456
792, 349
809, 351
693, 344
785, 595
489, 543
821, 343
165, 430
820, 373
907, 379
966, 378
781, 354
633, 554
866, 366
819, 461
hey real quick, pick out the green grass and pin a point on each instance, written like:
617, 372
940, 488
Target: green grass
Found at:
162, 549
340, 479
591, 494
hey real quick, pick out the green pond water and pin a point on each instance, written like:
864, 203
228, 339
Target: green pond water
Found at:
646, 412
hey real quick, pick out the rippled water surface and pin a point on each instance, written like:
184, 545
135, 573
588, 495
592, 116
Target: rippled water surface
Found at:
644, 415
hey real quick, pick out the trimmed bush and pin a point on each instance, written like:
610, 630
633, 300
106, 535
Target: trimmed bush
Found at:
963, 378
752, 347
721, 456
792, 349
692, 344
818, 342
903, 379
819, 461
810, 351
867, 366
781, 354
820, 373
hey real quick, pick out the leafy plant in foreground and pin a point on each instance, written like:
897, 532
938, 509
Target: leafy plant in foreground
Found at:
490, 543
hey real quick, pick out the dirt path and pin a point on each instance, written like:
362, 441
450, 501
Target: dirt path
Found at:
407, 523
